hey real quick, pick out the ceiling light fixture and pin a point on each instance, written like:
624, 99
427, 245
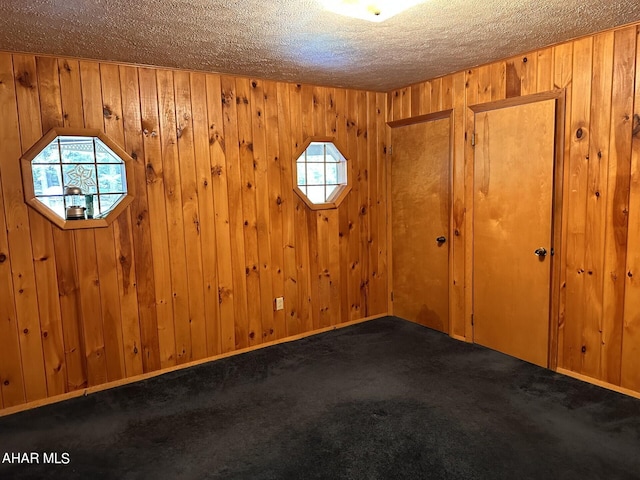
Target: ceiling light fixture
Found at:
371, 10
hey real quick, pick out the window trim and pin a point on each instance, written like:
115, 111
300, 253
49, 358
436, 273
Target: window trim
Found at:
340, 193
29, 191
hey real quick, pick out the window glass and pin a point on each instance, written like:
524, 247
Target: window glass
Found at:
321, 170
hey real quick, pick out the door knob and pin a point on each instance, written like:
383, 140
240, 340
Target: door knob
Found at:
540, 252
441, 240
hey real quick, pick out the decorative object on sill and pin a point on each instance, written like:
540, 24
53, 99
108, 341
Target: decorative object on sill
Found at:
72, 196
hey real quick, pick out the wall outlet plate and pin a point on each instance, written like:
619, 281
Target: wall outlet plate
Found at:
279, 303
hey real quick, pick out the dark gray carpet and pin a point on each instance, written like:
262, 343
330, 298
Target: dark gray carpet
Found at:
384, 399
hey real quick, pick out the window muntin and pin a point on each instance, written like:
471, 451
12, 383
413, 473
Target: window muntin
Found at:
84, 162
321, 171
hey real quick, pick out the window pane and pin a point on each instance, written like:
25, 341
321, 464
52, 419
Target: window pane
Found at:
76, 149
106, 203
316, 194
47, 179
50, 154
316, 149
342, 173
83, 176
104, 153
332, 173
302, 174
330, 190
301, 158
111, 178
315, 172
333, 155
54, 203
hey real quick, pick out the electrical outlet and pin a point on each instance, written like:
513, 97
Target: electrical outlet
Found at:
280, 303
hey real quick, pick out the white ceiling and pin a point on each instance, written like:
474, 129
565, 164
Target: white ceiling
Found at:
296, 40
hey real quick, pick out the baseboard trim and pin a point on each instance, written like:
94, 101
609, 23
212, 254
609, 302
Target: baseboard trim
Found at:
599, 383
125, 381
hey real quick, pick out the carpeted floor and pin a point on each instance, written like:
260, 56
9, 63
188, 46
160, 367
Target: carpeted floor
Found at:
385, 399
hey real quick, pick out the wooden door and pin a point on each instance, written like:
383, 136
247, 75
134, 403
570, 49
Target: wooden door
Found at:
420, 215
512, 215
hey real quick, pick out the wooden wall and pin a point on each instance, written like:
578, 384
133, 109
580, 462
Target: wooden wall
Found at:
215, 233
599, 323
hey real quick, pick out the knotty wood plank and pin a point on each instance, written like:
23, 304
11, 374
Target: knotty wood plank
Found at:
447, 92
562, 77
300, 216
426, 98
11, 381
575, 345
544, 77
125, 333
249, 210
405, 95
38, 111
230, 101
291, 300
598, 159
529, 73
342, 125
95, 111
147, 348
395, 106
458, 238
416, 98
363, 203
175, 215
436, 95
379, 304
207, 214
484, 84
263, 204
192, 217
65, 243
17, 221
275, 199
498, 80
91, 301
618, 202
227, 296
155, 174
373, 208
630, 370
353, 234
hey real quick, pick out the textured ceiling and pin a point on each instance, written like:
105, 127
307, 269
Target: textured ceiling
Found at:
296, 40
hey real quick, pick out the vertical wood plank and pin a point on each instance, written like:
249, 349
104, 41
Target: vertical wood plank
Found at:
206, 209
127, 329
263, 214
155, 175
275, 199
98, 115
192, 219
575, 353
65, 243
147, 348
41, 229
630, 371
175, 215
624, 57
230, 101
249, 210
17, 219
218, 162
291, 300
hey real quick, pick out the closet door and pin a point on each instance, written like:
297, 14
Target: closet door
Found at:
420, 192
512, 229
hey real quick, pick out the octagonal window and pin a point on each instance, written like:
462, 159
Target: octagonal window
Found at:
322, 178
77, 179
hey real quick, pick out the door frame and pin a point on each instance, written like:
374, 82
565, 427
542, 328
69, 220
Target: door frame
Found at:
428, 117
558, 216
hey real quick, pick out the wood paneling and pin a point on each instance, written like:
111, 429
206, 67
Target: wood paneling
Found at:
191, 268
595, 333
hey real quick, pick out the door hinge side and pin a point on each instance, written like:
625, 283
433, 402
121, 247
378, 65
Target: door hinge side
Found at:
472, 319
473, 139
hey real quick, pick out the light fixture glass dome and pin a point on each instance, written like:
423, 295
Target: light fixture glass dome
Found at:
371, 10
